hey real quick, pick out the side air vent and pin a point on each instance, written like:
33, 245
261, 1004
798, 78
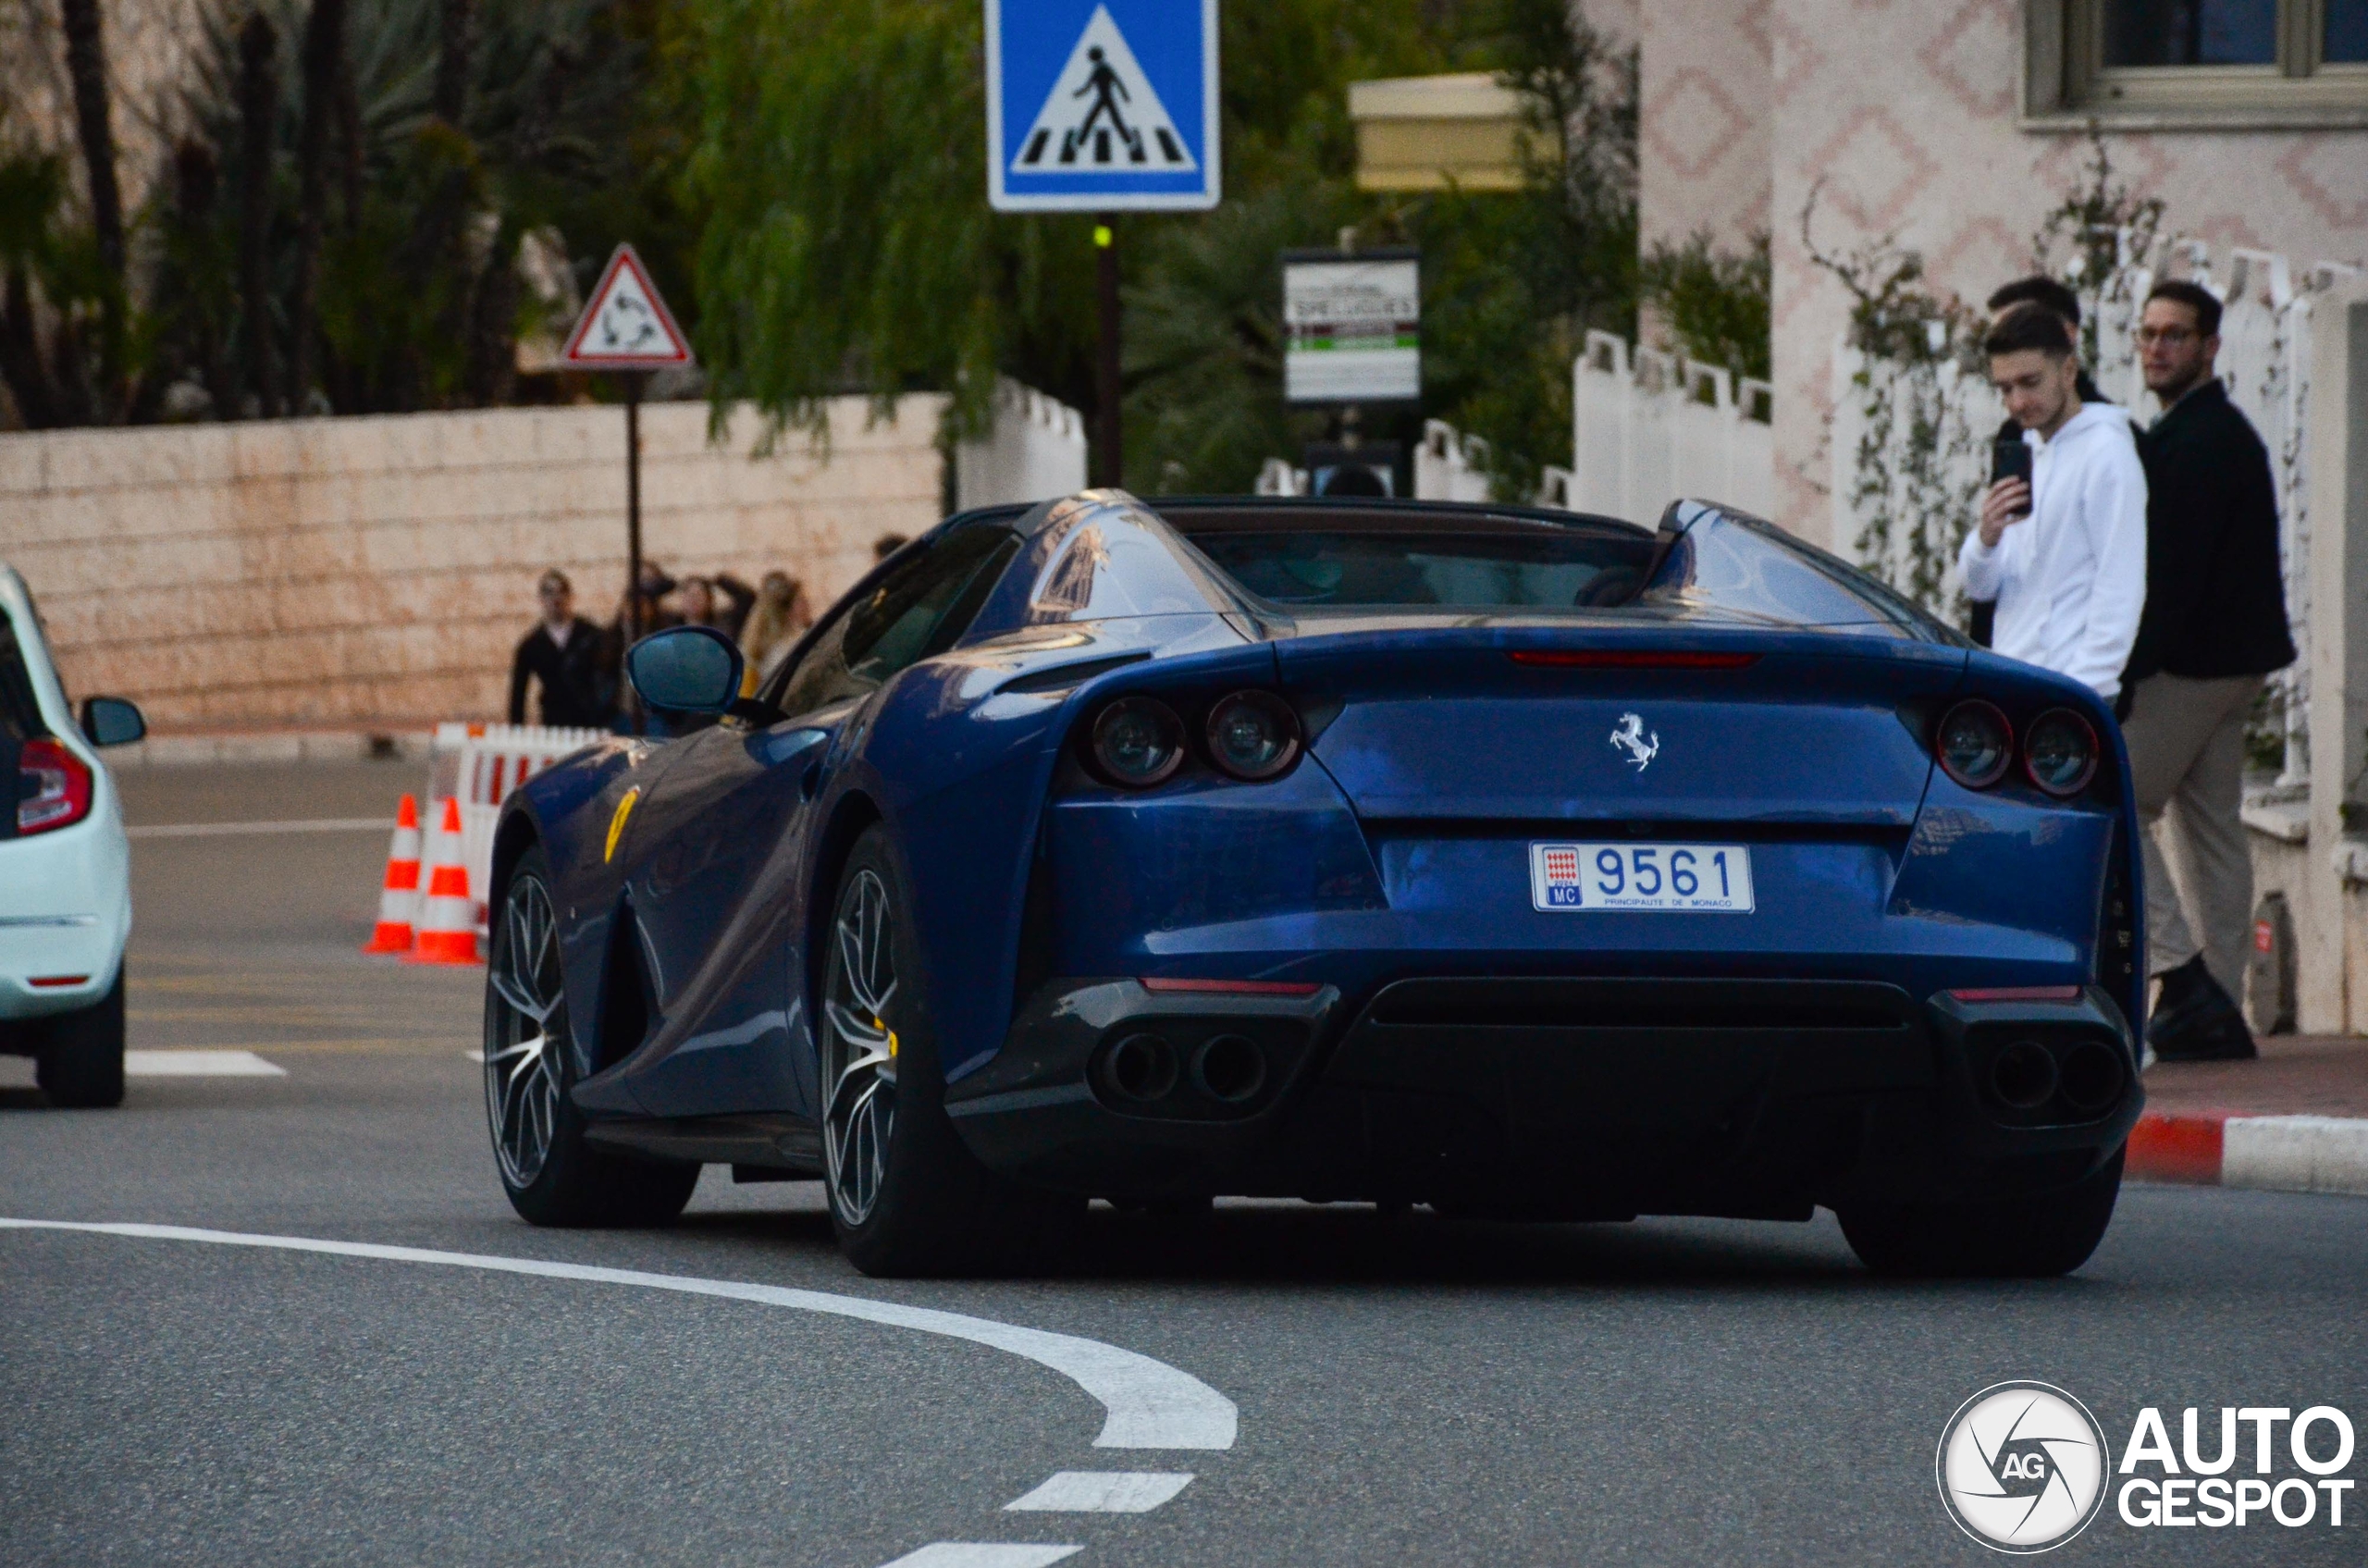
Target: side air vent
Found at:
1066, 677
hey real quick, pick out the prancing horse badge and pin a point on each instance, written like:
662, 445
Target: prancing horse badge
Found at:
1631, 738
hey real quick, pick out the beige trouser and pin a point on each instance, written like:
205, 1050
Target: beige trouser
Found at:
2187, 766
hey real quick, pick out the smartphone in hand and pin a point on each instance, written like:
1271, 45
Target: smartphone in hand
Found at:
2011, 460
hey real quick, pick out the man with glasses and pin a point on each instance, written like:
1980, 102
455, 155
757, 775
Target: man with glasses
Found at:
571, 658
2214, 626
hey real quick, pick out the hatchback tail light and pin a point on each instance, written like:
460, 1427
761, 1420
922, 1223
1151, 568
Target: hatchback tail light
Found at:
52, 787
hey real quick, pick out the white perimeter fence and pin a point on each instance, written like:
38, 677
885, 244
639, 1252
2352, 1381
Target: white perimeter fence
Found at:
479, 765
1034, 450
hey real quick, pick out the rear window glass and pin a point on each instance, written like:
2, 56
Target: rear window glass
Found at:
18, 715
1544, 567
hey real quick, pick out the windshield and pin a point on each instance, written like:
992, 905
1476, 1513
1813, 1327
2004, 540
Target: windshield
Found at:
1503, 566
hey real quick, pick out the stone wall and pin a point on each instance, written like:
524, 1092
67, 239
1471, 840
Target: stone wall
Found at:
379, 571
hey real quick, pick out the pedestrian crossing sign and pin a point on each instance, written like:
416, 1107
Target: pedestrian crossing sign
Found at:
1102, 105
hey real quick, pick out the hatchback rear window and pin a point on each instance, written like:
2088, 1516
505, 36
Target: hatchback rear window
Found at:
20, 715
1508, 566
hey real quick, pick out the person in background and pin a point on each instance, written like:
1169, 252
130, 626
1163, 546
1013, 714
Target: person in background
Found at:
779, 618
656, 613
887, 545
2063, 556
570, 657
2059, 301
721, 602
2215, 626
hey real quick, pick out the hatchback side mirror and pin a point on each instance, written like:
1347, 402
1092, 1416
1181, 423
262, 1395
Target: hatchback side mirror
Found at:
110, 720
687, 670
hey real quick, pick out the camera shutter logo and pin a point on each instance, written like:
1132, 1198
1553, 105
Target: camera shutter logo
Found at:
2022, 1467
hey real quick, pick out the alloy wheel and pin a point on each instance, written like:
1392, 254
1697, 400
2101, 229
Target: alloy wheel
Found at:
525, 1030
858, 1049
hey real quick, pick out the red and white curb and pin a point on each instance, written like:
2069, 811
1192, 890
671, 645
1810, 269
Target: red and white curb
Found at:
2291, 1154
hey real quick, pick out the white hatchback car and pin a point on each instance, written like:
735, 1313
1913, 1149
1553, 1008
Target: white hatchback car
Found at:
65, 869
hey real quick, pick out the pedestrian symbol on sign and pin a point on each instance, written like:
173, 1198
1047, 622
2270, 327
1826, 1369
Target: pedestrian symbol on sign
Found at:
1102, 113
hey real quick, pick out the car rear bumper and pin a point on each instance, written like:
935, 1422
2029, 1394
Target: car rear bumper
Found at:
65, 914
1559, 1096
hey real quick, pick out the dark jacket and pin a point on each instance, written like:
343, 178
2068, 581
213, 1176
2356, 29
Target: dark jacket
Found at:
579, 681
2215, 598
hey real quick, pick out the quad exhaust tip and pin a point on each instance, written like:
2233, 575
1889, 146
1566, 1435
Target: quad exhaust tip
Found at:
1229, 1068
2024, 1075
2093, 1076
1141, 1067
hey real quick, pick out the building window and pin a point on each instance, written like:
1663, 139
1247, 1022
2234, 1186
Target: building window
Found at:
2202, 63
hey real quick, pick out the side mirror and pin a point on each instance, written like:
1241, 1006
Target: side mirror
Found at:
110, 720
687, 670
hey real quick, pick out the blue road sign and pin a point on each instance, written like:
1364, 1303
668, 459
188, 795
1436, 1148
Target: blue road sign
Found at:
1102, 105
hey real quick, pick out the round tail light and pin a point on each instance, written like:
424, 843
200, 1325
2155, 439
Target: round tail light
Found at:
1974, 744
1253, 734
1137, 742
2060, 752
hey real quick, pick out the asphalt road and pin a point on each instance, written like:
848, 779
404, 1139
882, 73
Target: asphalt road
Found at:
1415, 1392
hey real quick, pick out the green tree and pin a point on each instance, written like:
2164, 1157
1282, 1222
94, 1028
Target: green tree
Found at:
1715, 301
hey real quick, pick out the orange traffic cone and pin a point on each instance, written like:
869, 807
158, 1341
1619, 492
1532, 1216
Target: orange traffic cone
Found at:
448, 924
399, 898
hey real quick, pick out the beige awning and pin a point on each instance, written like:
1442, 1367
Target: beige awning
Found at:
1426, 132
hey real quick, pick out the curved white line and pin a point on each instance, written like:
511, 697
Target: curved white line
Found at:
1150, 1404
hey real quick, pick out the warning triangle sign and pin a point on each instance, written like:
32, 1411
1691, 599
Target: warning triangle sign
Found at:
625, 326
1102, 113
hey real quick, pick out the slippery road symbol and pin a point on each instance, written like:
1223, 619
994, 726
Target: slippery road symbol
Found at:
1102, 113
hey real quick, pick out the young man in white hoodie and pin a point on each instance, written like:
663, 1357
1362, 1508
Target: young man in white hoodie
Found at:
2065, 556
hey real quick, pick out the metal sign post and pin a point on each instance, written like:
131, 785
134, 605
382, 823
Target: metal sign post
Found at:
627, 329
1102, 107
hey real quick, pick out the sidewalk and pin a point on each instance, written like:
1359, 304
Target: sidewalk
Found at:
2294, 1121
319, 743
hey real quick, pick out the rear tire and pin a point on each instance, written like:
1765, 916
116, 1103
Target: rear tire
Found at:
551, 1171
906, 1198
79, 1061
2029, 1238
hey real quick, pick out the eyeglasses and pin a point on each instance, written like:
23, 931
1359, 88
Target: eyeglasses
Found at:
2171, 337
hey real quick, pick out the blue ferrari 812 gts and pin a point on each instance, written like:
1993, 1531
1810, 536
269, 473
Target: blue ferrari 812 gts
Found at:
1520, 863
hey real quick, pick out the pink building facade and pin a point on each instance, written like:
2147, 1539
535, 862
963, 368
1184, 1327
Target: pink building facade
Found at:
1954, 126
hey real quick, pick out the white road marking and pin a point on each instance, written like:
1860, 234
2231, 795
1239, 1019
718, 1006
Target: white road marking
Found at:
231, 829
198, 1064
983, 1554
1103, 1491
476, 1056
1148, 1403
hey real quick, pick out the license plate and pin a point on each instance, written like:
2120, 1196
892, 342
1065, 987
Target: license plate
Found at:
1705, 878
